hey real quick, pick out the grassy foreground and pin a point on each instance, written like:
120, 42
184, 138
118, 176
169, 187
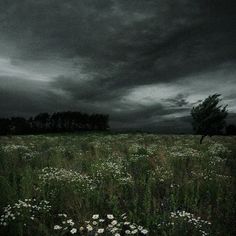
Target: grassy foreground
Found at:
123, 184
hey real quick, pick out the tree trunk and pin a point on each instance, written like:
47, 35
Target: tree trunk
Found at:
203, 136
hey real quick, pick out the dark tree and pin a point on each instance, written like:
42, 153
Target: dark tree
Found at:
19, 125
209, 117
41, 122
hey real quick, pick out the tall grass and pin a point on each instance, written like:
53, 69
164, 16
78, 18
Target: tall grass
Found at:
169, 185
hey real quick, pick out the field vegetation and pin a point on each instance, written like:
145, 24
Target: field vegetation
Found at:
117, 184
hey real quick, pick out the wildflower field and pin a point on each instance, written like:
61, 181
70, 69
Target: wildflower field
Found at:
117, 184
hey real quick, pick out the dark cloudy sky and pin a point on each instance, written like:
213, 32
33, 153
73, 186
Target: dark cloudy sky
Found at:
144, 62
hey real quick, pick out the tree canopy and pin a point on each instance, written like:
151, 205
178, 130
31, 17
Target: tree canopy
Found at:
209, 117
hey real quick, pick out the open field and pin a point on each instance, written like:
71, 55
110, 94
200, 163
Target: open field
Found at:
102, 184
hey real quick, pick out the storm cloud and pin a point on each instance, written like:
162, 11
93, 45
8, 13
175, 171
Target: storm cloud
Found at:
144, 62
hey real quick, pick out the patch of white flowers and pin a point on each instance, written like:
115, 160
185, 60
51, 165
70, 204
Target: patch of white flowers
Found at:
66, 224
218, 149
162, 174
28, 156
134, 148
15, 147
208, 175
110, 170
180, 218
183, 152
218, 153
50, 175
24, 211
26, 152
136, 157
205, 174
151, 149
108, 225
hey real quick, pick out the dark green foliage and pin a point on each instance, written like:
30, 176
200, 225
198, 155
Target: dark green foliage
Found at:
209, 117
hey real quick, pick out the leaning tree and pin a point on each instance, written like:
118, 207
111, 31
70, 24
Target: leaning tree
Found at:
209, 117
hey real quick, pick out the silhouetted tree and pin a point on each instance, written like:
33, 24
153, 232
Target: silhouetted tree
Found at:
209, 117
54, 119
41, 122
19, 125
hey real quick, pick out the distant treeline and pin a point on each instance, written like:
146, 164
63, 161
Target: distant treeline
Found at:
57, 122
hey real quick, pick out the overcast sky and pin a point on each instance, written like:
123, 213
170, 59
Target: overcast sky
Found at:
144, 62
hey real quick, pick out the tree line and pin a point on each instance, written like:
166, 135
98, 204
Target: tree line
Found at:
57, 122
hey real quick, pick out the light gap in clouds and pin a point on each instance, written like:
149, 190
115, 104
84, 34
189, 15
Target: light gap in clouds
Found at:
21, 72
44, 71
193, 89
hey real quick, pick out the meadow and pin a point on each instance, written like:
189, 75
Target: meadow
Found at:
117, 184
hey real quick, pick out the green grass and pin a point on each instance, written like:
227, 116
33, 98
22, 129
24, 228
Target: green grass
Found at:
162, 182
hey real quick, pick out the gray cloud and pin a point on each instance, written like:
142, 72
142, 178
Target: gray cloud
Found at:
92, 54
178, 101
